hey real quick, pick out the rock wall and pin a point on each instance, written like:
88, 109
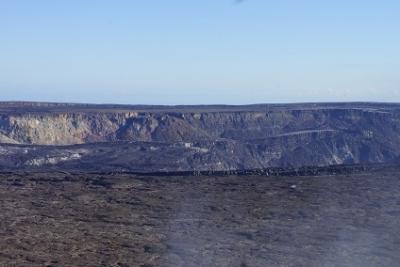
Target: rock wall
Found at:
188, 139
80, 128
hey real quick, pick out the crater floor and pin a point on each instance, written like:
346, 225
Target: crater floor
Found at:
64, 219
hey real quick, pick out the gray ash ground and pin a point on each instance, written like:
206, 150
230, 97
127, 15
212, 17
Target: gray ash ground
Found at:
62, 219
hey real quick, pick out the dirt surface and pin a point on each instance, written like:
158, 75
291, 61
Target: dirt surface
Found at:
62, 219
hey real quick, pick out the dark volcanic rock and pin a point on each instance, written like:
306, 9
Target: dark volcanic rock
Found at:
81, 219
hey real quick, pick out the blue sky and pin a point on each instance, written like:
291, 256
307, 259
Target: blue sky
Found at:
192, 52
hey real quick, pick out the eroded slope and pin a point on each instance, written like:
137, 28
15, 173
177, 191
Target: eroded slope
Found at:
198, 137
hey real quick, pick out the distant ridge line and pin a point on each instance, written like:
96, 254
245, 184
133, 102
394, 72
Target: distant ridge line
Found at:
43, 107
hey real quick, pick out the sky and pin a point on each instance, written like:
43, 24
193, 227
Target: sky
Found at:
199, 52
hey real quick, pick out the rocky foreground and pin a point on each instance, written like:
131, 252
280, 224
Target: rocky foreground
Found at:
42, 136
81, 219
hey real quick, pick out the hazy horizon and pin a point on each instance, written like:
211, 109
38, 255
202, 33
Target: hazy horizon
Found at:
198, 104
205, 52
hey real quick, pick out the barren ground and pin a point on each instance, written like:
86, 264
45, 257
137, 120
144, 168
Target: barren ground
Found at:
63, 219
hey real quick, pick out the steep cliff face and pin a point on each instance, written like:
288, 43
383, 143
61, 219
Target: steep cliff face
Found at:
208, 138
60, 129
80, 128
